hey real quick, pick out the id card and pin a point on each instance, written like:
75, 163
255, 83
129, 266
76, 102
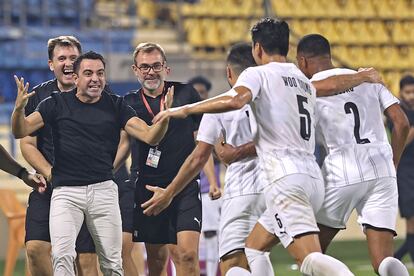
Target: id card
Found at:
153, 157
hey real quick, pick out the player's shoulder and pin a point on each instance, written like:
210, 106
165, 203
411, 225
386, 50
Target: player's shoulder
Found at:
132, 96
45, 89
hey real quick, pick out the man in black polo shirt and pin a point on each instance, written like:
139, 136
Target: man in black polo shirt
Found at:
156, 166
37, 149
86, 124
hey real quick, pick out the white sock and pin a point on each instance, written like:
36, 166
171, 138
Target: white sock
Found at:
318, 264
259, 262
237, 271
212, 256
392, 267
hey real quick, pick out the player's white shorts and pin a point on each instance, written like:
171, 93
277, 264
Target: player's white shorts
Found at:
238, 217
376, 202
292, 202
211, 213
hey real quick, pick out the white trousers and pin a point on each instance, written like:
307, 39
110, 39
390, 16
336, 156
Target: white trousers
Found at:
98, 204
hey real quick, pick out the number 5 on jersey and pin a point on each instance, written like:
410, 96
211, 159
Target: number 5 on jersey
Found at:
305, 118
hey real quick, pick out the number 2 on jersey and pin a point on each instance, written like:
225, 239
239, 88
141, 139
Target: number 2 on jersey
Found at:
350, 107
305, 118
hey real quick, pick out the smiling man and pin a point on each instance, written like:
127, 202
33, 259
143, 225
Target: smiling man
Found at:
86, 124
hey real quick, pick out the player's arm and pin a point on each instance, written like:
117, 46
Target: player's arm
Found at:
151, 135
190, 168
9, 165
399, 131
234, 99
214, 189
122, 152
229, 154
30, 152
334, 84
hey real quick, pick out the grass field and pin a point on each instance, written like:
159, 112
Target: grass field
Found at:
353, 253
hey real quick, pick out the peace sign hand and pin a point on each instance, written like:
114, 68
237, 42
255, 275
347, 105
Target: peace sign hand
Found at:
22, 96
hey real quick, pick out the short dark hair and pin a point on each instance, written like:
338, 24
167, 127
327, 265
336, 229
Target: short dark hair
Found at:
149, 47
201, 80
273, 35
314, 45
240, 57
64, 41
88, 55
406, 80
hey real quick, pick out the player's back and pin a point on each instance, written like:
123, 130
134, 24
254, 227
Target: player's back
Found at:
283, 104
353, 133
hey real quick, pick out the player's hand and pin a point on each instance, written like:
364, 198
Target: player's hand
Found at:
157, 203
22, 96
226, 152
371, 75
176, 112
169, 98
35, 180
214, 192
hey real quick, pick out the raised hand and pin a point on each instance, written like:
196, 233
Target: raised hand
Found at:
169, 98
214, 192
22, 96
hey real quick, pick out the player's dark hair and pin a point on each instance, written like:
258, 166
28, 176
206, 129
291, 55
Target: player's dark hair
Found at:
314, 45
240, 57
88, 55
406, 80
273, 35
63, 41
200, 80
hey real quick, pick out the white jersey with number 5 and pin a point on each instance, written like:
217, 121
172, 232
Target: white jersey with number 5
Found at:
353, 132
283, 103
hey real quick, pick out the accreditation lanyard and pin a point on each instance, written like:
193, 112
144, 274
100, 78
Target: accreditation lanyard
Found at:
154, 154
144, 100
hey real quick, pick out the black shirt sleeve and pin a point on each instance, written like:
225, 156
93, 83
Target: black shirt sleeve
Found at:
48, 109
126, 112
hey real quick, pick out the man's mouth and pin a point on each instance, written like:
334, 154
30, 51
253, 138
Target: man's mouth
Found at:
68, 71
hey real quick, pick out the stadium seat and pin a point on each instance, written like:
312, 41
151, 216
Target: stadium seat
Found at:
327, 29
284, 8
402, 32
378, 31
15, 213
372, 57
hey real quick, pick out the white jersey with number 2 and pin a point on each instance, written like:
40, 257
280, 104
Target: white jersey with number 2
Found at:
353, 132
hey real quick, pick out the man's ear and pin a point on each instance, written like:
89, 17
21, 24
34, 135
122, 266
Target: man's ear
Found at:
50, 63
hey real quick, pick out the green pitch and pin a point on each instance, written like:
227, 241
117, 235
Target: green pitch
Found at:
353, 253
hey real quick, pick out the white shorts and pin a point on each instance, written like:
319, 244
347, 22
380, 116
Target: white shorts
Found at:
292, 202
376, 202
238, 217
210, 213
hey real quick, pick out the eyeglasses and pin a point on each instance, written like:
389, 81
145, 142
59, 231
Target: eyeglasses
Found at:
156, 67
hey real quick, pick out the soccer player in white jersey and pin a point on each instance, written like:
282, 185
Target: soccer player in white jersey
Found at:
283, 101
243, 200
359, 169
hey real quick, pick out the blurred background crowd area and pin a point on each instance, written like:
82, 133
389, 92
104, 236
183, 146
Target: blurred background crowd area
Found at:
196, 34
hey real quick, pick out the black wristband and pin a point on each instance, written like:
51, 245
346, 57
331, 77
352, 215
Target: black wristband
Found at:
21, 172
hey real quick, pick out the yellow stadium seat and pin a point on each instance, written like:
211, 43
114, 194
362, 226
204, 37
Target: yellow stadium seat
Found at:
343, 28
400, 7
212, 33
406, 57
327, 29
378, 31
390, 58
372, 57
383, 9
392, 79
340, 54
283, 8
402, 32
360, 35
308, 26
195, 32
356, 56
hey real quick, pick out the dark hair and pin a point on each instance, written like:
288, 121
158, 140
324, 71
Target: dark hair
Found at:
148, 47
201, 80
273, 35
64, 41
88, 55
240, 57
314, 45
406, 80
